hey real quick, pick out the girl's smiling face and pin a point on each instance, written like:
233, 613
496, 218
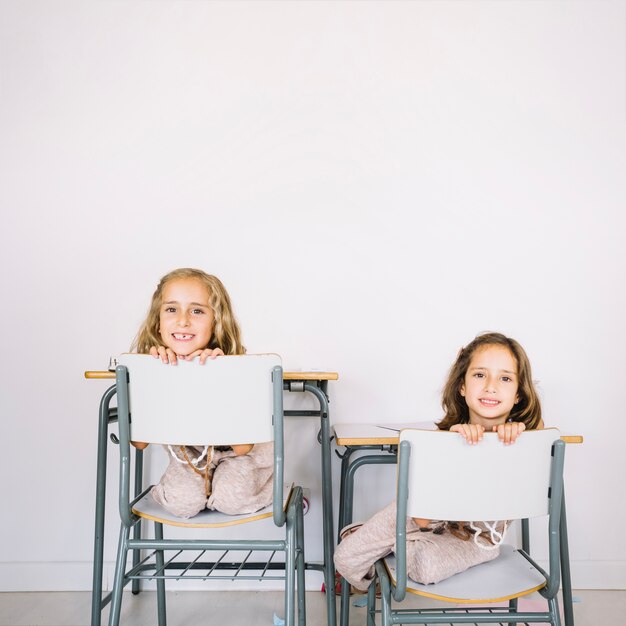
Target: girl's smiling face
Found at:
185, 320
490, 386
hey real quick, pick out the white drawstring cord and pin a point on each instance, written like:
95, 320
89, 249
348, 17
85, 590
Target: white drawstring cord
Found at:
193, 461
496, 536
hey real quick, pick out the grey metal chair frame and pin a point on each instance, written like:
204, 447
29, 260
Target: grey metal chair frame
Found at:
222, 566
391, 591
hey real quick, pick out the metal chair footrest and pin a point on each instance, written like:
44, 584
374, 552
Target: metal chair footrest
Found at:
466, 615
227, 565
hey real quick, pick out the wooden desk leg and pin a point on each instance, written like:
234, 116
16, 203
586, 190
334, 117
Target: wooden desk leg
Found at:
101, 478
566, 581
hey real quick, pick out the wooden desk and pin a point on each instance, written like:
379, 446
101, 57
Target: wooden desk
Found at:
359, 435
311, 376
380, 442
314, 383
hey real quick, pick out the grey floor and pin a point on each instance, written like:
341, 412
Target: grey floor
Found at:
234, 608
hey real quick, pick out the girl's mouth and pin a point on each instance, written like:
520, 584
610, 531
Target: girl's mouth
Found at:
489, 402
182, 337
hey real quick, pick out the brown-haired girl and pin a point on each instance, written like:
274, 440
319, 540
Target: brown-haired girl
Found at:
191, 317
489, 388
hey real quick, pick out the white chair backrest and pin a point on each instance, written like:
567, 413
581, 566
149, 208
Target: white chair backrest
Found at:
226, 401
452, 480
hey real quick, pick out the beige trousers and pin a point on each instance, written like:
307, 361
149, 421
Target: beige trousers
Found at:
237, 484
431, 557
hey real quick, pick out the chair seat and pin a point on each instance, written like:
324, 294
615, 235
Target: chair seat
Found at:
148, 508
509, 576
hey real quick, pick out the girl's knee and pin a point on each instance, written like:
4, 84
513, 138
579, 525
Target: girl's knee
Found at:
180, 491
240, 486
186, 503
353, 563
224, 502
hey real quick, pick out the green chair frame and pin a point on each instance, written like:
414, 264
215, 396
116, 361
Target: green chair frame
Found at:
391, 572
217, 558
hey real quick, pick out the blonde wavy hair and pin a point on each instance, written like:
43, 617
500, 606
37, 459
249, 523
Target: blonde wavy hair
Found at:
226, 332
527, 409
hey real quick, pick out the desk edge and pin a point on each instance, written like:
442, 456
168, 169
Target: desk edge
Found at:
393, 441
107, 375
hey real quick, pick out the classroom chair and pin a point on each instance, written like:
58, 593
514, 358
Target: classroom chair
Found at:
229, 400
441, 477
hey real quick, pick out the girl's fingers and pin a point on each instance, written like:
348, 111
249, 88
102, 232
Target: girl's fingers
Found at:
516, 430
501, 431
192, 355
457, 428
205, 354
462, 429
472, 433
168, 355
508, 433
477, 433
210, 354
163, 354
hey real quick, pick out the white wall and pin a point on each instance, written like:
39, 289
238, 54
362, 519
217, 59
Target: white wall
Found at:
374, 182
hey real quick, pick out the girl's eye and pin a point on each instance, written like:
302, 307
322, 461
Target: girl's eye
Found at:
507, 379
170, 309
479, 375
198, 312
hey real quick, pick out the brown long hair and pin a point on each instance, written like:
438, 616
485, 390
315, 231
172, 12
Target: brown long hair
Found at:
226, 333
528, 408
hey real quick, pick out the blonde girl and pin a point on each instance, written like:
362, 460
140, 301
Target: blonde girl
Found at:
191, 317
489, 389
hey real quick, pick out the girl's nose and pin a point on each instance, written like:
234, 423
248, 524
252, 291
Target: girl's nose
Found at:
183, 320
490, 385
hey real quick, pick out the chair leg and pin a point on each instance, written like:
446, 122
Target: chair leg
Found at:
118, 583
300, 561
566, 587
371, 605
290, 567
385, 610
136, 584
385, 594
513, 608
161, 609
555, 615
344, 617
